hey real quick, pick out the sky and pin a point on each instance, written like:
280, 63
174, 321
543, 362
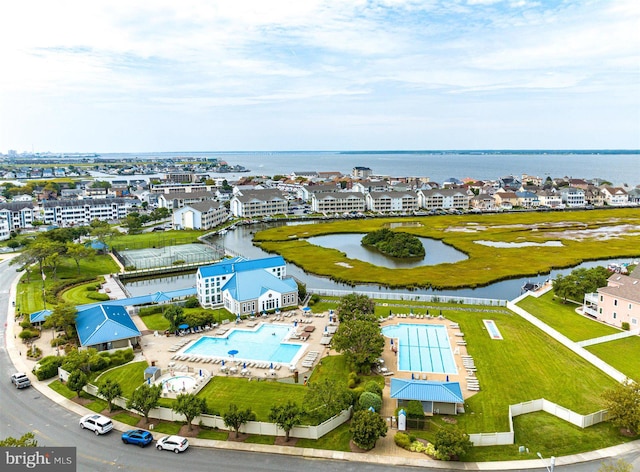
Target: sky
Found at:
245, 75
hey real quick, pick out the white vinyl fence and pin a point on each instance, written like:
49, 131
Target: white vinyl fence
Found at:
251, 427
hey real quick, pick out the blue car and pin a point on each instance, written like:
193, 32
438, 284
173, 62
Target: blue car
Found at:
137, 436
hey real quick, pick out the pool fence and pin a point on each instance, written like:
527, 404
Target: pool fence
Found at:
411, 297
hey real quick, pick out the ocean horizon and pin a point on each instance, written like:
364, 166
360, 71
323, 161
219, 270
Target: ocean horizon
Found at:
616, 166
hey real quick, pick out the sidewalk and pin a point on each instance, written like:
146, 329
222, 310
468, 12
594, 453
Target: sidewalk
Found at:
385, 452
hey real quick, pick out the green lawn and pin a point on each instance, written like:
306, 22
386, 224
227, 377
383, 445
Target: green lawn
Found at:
129, 376
62, 389
79, 295
336, 440
217, 434
127, 418
29, 293
623, 354
155, 322
220, 392
563, 318
525, 365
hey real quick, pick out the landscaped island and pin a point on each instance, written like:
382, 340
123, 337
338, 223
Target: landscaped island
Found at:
394, 244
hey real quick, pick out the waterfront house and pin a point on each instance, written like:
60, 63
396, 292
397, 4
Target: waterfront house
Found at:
615, 196
572, 197
392, 202
338, 202
443, 199
258, 203
200, 216
177, 200
618, 302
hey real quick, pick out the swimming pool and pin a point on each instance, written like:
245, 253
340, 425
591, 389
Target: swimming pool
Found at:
422, 348
266, 343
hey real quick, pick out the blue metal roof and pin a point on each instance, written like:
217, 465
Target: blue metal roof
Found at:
426, 391
104, 323
145, 299
249, 285
39, 316
238, 264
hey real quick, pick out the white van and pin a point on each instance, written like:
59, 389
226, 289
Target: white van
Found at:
97, 423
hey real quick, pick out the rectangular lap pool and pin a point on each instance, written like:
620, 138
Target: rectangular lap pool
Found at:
266, 343
422, 348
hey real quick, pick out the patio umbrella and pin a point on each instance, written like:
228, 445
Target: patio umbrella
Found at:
447, 378
271, 366
295, 323
326, 329
233, 352
392, 342
244, 365
183, 326
222, 361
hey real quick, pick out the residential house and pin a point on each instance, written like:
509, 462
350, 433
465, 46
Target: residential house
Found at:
506, 200
527, 199
438, 199
615, 196
176, 200
618, 302
338, 202
482, 202
19, 215
200, 216
5, 231
247, 287
549, 198
572, 197
258, 203
82, 212
392, 202
361, 172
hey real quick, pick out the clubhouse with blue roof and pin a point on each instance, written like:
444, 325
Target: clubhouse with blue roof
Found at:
245, 287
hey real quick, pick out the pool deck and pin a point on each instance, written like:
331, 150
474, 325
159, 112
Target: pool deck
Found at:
160, 350
461, 355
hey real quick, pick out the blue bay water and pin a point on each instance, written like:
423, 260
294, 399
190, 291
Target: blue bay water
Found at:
617, 167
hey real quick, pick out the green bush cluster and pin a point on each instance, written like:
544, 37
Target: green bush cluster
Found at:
101, 297
47, 367
370, 400
373, 387
191, 302
28, 334
150, 310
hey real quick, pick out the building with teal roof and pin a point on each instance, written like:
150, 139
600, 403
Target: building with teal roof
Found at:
245, 286
443, 398
106, 327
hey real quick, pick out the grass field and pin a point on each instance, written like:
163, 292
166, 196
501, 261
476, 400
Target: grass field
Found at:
485, 264
29, 294
155, 239
563, 318
623, 354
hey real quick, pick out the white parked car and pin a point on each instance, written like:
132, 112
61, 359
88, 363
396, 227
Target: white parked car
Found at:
97, 423
20, 380
172, 443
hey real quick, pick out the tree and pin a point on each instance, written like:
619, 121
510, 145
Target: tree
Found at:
144, 399
77, 380
370, 400
79, 359
579, 282
133, 223
361, 342
286, 416
190, 406
235, 418
451, 443
623, 404
326, 398
26, 440
110, 390
13, 245
355, 306
53, 261
77, 252
62, 317
175, 315
366, 428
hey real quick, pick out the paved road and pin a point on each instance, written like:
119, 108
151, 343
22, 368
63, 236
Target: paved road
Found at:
28, 410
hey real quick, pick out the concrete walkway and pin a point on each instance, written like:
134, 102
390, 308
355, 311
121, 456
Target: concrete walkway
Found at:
385, 452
